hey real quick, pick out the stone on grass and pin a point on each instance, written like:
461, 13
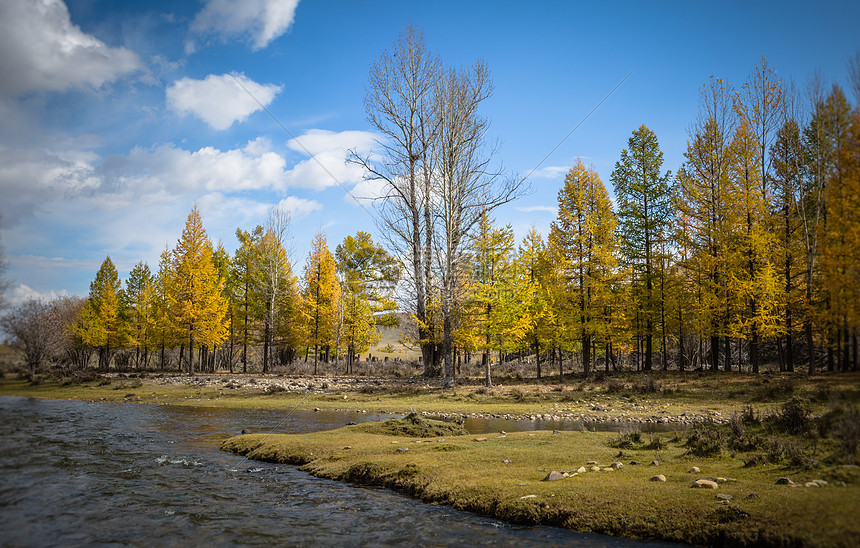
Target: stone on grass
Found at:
402, 449
723, 496
752, 496
658, 477
591, 462
704, 484
694, 470
784, 481
480, 439
819, 482
581, 470
635, 463
616, 465
655, 463
553, 476
720, 480
595, 469
811, 484
524, 497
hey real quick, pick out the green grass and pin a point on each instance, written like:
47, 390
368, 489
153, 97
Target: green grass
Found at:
473, 475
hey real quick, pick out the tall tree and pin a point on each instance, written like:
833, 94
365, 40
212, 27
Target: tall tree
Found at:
197, 297
399, 104
274, 277
644, 217
584, 236
320, 297
702, 198
243, 280
139, 303
465, 184
106, 327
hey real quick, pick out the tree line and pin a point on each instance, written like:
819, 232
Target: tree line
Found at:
748, 254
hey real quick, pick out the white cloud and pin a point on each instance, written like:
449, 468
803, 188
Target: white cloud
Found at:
329, 151
366, 192
220, 100
259, 21
299, 207
41, 49
23, 293
533, 209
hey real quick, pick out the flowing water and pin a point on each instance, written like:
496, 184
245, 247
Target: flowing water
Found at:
78, 473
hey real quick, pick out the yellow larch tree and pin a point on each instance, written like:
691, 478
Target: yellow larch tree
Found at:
197, 299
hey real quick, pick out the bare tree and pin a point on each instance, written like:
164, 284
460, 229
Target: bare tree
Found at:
274, 274
26, 324
465, 184
399, 105
68, 347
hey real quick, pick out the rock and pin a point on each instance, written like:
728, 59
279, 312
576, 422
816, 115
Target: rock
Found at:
347, 447
507, 461
524, 497
598, 408
720, 480
811, 484
635, 463
819, 482
655, 463
616, 465
704, 484
402, 449
316, 408
608, 469
658, 477
723, 496
591, 462
581, 470
784, 481
694, 470
752, 496
556, 431
595, 469
480, 439
553, 476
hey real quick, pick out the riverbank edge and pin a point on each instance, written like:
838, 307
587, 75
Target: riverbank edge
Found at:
580, 499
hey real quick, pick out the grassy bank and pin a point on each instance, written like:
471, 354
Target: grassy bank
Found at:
503, 475
667, 396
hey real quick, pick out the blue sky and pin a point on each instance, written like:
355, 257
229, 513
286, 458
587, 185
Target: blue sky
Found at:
118, 116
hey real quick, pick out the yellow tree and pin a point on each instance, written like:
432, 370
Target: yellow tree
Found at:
197, 298
537, 271
702, 199
103, 320
368, 276
583, 235
499, 294
789, 172
751, 273
320, 298
840, 252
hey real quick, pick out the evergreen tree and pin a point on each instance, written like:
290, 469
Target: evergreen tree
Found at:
644, 218
139, 302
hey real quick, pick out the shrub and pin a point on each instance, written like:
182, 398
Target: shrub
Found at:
705, 440
627, 440
793, 418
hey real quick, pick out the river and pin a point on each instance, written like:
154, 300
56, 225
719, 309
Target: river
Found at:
76, 473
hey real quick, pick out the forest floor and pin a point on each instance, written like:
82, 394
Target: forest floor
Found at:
743, 432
